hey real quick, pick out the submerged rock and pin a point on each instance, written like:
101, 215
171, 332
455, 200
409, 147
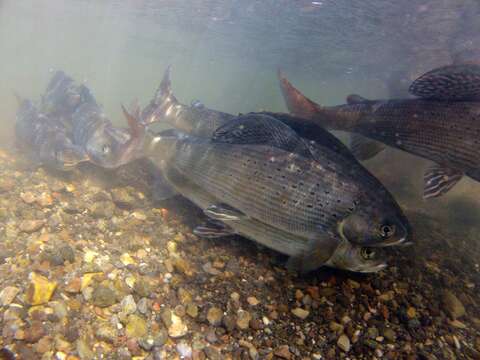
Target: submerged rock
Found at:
453, 306
40, 290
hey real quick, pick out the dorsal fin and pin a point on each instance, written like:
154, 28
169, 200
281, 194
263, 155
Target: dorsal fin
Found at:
449, 83
355, 99
261, 129
161, 104
297, 103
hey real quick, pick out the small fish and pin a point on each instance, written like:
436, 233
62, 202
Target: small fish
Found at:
278, 193
442, 125
45, 141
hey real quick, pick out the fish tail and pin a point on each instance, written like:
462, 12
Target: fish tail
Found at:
300, 105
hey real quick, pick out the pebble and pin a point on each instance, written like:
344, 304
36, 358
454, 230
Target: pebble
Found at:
31, 226
8, 294
343, 343
106, 332
453, 306
128, 305
184, 350
283, 352
253, 301
40, 289
390, 335
192, 310
252, 350
84, 350
177, 328
212, 353
214, 316
300, 313
103, 297
243, 319
136, 327
142, 306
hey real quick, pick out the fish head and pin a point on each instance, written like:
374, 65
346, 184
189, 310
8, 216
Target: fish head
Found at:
104, 148
111, 147
375, 226
356, 258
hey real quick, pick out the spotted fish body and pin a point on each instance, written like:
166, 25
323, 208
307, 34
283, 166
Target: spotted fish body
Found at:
443, 125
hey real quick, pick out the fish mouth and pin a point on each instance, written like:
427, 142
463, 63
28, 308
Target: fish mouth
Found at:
393, 242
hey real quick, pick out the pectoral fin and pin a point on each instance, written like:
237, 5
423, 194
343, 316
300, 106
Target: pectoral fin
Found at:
162, 189
224, 212
439, 180
363, 148
320, 251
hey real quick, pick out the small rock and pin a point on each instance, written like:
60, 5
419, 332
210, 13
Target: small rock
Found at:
184, 350
28, 197
146, 343
8, 294
35, 332
122, 198
106, 332
128, 305
84, 350
300, 313
411, 312
142, 306
453, 305
67, 253
136, 327
103, 297
30, 226
44, 199
214, 316
212, 353
184, 296
283, 352
178, 328
235, 296
243, 319
126, 259
192, 310
343, 343
40, 290
74, 285
253, 301
390, 335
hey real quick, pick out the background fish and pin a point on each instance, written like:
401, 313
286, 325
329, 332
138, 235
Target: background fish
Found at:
74, 106
44, 140
442, 126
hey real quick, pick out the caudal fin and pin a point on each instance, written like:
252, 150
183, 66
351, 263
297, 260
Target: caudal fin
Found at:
162, 102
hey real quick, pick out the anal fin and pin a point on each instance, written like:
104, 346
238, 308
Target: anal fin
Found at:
438, 180
363, 148
224, 212
162, 190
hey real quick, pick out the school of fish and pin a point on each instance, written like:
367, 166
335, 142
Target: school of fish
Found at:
281, 180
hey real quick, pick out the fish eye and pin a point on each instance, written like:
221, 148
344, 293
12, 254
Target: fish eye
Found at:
387, 230
367, 253
106, 149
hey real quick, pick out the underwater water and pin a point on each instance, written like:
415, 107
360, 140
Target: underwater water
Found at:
95, 264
